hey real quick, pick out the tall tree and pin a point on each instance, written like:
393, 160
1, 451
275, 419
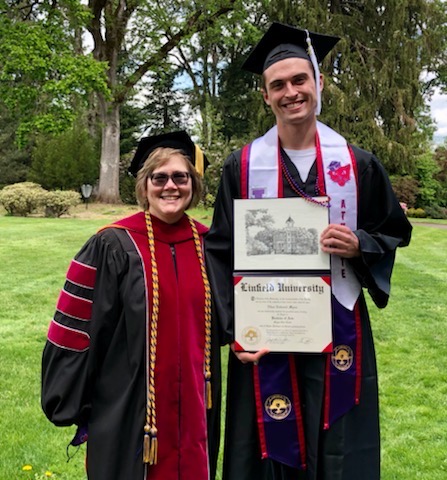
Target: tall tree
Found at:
130, 38
131, 32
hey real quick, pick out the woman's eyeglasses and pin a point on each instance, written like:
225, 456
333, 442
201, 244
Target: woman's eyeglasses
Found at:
161, 179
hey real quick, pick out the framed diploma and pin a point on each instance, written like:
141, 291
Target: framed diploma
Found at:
280, 234
283, 313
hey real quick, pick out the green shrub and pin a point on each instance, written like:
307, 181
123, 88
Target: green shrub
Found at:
65, 160
127, 189
23, 198
209, 200
436, 211
416, 213
59, 202
406, 189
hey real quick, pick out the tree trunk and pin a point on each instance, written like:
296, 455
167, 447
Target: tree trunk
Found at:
108, 191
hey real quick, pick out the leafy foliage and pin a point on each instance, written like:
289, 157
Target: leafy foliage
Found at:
416, 213
429, 186
42, 77
406, 189
65, 161
23, 198
157, 66
14, 162
441, 160
436, 211
58, 202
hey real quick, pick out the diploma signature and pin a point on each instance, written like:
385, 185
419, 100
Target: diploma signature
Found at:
284, 340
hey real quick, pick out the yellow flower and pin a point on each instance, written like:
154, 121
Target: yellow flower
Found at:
48, 474
27, 468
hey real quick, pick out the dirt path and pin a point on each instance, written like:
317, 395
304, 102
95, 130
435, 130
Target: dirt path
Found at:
428, 224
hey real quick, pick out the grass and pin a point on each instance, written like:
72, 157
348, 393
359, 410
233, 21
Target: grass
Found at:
411, 344
410, 337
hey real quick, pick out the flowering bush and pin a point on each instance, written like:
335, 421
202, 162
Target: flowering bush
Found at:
23, 198
58, 202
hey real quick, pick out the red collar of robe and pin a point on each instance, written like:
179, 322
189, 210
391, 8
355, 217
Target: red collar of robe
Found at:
165, 232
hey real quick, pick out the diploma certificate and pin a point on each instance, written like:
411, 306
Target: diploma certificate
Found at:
283, 313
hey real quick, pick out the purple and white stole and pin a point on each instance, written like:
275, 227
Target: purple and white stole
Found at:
282, 439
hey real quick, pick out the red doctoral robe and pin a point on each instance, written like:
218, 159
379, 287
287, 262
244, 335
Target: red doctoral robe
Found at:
94, 370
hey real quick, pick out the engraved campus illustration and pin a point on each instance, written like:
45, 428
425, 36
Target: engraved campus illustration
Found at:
267, 236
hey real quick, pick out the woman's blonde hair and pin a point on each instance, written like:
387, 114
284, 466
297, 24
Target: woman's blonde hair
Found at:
156, 159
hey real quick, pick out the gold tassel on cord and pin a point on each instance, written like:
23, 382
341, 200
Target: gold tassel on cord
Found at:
154, 447
209, 398
150, 445
146, 443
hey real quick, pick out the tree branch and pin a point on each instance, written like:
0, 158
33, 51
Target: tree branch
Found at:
193, 25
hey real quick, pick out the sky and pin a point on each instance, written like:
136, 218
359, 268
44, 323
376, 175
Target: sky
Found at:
438, 106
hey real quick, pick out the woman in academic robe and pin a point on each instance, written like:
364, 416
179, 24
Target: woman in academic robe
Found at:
131, 356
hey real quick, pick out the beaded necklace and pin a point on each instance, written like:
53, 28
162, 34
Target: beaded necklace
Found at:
297, 189
150, 444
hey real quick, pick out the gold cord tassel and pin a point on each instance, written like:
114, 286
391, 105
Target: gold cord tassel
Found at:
154, 447
146, 444
150, 445
209, 398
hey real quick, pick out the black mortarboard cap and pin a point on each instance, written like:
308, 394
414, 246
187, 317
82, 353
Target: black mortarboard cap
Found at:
284, 41
179, 140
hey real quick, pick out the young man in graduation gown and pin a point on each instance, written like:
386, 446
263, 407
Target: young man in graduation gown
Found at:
332, 432
131, 355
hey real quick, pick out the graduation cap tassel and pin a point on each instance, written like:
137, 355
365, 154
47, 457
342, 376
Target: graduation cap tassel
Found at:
314, 61
199, 160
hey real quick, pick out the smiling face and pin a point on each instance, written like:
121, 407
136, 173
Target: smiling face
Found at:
290, 91
169, 202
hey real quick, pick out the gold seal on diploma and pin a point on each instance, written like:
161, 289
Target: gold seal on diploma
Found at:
251, 335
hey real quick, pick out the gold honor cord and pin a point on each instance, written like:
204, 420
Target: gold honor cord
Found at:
207, 288
150, 444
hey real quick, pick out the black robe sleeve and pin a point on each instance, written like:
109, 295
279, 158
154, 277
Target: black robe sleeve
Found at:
382, 227
68, 372
219, 247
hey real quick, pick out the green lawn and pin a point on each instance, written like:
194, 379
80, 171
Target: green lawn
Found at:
410, 338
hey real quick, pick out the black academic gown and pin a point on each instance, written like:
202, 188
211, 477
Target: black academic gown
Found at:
350, 449
94, 367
